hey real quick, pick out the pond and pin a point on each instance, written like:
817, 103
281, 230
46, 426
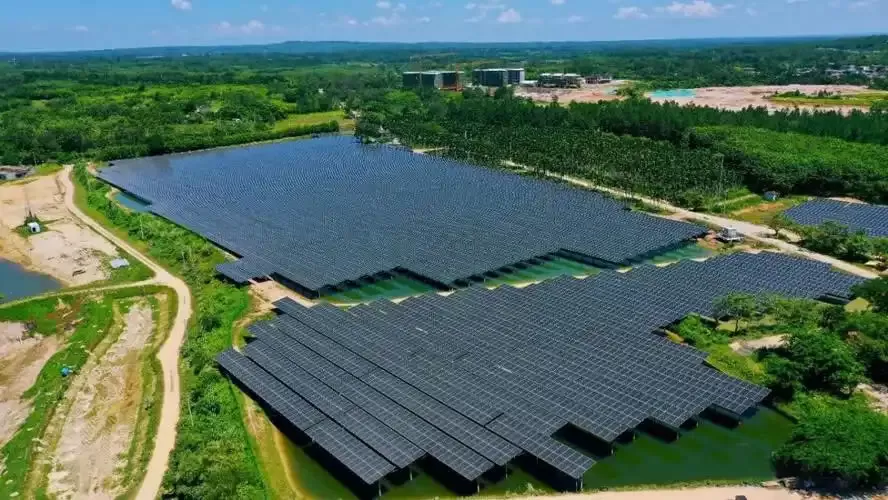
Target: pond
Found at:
672, 93
17, 282
131, 202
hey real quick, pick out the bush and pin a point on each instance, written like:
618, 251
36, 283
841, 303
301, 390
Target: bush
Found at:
837, 440
695, 332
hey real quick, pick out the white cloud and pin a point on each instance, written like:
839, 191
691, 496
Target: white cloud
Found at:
401, 7
795, 1
483, 8
423, 20
575, 19
350, 21
558, 2
181, 4
697, 8
384, 4
509, 16
80, 28
252, 27
630, 13
861, 4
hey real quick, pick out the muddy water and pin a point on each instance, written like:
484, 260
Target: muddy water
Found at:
16, 282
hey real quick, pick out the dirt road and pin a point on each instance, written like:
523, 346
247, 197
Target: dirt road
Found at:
168, 354
705, 493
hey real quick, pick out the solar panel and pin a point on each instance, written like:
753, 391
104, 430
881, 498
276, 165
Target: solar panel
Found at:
478, 377
352, 453
324, 211
871, 219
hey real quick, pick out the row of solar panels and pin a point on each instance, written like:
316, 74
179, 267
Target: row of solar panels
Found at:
324, 211
476, 378
871, 219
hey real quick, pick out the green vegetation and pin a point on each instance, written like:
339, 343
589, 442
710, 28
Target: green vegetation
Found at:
799, 163
826, 352
832, 238
212, 458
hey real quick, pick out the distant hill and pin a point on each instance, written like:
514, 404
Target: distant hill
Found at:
337, 47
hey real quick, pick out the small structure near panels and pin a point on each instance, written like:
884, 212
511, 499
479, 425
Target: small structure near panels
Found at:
119, 263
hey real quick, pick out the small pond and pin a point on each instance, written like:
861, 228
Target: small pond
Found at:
17, 282
671, 93
131, 202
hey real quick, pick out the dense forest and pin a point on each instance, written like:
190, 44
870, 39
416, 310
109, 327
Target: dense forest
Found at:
685, 155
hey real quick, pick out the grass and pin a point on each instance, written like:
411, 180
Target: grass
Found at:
864, 99
307, 119
48, 169
763, 211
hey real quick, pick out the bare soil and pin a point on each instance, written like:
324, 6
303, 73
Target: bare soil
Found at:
271, 291
737, 98
67, 249
589, 93
21, 359
100, 425
746, 347
878, 394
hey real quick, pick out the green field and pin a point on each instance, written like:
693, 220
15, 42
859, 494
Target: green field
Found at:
863, 99
303, 120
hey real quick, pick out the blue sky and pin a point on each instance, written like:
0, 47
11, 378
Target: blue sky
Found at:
98, 24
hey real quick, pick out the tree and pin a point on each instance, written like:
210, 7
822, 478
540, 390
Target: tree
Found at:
815, 360
796, 313
698, 334
828, 238
739, 306
780, 222
857, 248
876, 292
837, 440
880, 251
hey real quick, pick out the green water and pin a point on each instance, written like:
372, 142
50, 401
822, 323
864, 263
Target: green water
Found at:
402, 286
709, 452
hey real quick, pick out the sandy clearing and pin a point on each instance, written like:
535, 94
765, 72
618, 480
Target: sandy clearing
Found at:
271, 291
21, 359
100, 424
747, 347
589, 93
69, 251
737, 98
878, 393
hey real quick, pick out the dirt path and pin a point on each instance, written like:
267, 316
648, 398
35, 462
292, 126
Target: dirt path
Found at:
168, 354
705, 493
751, 231
747, 347
100, 425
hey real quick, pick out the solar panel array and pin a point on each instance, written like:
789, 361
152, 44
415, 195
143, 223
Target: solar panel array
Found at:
323, 211
479, 377
872, 219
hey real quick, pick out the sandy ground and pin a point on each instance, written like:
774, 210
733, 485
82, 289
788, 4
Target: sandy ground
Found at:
736, 98
746, 347
878, 393
67, 250
589, 93
271, 291
100, 424
21, 360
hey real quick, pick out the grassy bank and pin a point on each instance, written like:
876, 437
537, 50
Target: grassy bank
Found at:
212, 457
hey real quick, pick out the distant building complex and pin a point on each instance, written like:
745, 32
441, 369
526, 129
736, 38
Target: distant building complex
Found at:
448, 80
498, 77
560, 80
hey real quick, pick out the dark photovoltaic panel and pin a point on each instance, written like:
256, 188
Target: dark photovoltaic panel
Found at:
355, 455
320, 212
872, 219
476, 378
